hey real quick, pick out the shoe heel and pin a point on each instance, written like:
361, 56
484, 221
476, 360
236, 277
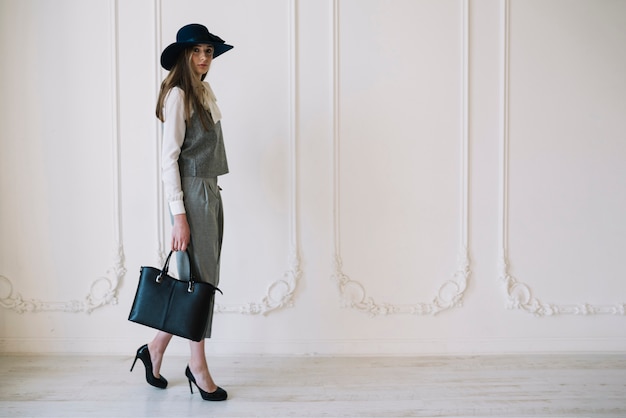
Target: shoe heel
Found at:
131, 367
190, 387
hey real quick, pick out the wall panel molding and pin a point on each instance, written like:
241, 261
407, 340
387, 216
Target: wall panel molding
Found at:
519, 295
281, 292
158, 134
103, 290
353, 293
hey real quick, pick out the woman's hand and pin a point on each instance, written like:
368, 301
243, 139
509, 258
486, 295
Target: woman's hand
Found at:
180, 233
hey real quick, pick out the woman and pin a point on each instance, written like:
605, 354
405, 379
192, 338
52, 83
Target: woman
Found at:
193, 157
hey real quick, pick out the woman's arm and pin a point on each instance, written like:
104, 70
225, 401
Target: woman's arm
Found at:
173, 137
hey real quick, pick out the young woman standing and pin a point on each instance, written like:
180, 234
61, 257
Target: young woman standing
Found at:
193, 157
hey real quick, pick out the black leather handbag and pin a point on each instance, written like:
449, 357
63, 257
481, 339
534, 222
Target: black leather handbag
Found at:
177, 307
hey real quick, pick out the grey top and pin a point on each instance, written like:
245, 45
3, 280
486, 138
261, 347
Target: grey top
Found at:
203, 153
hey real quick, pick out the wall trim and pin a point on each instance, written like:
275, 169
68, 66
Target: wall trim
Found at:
281, 292
160, 205
103, 290
334, 347
353, 293
520, 295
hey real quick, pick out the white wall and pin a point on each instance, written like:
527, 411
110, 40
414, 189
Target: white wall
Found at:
407, 177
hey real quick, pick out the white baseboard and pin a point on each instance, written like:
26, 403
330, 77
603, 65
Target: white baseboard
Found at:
323, 347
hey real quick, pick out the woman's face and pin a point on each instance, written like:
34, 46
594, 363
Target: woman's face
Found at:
201, 57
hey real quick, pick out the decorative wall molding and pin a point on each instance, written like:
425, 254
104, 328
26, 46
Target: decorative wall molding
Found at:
158, 133
103, 290
520, 295
353, 294
281, 292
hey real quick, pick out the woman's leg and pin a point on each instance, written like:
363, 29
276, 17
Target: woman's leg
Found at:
157, 348
199, 367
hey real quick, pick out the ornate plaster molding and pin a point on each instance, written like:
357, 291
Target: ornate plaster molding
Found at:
103, 290
353, 294
281, 292
519, 295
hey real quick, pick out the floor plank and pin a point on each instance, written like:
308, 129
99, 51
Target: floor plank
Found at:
591, 385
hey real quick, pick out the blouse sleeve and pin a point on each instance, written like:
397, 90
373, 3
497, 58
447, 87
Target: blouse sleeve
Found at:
173, 137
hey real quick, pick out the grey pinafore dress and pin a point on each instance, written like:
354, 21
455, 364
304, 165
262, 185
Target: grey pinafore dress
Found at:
202, 159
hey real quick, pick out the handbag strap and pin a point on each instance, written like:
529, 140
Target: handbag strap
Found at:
192, 279
166, 266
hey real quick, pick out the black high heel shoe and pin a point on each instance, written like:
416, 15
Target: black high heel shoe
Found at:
219, 394
144, 355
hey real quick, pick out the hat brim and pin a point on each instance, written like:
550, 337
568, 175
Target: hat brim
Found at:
171, 53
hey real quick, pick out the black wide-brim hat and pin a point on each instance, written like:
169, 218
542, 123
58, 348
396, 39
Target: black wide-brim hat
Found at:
190, 35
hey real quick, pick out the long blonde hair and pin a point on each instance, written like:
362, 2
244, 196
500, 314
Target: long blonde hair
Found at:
182, 76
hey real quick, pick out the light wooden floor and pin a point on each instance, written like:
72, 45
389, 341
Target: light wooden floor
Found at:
481, 386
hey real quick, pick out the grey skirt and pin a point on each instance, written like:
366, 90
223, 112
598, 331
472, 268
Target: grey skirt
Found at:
203, 204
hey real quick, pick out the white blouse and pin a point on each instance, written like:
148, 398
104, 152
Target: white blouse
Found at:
173, 137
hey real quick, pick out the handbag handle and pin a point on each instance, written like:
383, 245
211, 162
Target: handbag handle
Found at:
192, 280
166, 267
